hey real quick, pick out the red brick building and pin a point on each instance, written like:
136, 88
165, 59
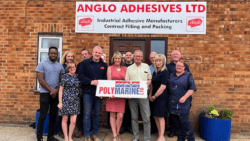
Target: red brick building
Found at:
222, 78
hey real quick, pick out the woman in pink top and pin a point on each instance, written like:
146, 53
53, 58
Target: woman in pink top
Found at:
116, 106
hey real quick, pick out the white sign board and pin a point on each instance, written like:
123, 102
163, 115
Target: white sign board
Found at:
141, 17
122, 89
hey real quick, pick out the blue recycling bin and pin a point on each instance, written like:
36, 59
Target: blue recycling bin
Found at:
46, 122
215, 129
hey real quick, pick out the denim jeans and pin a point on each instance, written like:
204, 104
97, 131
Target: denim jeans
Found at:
47, 103
91, 102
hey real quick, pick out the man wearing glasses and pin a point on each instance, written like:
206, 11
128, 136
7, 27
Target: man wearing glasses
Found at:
139, 72
49, 74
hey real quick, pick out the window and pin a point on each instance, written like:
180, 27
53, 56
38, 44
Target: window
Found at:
158, 46
46, 41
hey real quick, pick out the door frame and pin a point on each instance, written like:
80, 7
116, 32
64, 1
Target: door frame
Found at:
147, 40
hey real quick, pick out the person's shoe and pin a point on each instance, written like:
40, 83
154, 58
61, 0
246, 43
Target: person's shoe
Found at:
60, 134
39, 139
95, 138
122, 129
135, 140
52, 139
171, 134
87, 139
130, 130
79, 134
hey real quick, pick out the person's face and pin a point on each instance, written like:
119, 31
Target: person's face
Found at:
128, 56
176, 55
138, 57
69, 58
72, 69
84, 55
152, 57
117, 60
159, 63
179, 67
97, 52
53, 53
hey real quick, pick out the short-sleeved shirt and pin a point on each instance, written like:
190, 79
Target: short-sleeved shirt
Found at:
51, 72
178, 87
159, 78
138, 73
151, 69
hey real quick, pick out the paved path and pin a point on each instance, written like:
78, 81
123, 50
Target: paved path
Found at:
25, 133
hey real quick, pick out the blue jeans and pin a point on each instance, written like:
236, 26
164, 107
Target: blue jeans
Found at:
91, 102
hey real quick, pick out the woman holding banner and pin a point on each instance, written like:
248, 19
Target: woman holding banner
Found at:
116, 106
158, 95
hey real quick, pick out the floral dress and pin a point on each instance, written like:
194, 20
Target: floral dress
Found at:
70, 96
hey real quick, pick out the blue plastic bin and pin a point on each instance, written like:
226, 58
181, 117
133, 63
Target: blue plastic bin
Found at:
46, 122
215, 129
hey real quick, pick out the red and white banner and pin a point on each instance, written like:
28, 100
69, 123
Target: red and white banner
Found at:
122, 89
141, 17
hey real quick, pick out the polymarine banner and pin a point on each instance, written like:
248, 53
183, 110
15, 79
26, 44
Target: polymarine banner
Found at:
141, 17
122, 89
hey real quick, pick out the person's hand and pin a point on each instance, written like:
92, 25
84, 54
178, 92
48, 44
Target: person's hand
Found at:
152, 98
94, 82
100, 97
128, 97
182, 100
113, 96
53, 93
59, 106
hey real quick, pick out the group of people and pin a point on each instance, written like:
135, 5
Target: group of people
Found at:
68, 90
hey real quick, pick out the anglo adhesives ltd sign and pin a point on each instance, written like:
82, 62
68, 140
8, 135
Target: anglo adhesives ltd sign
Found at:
141, 17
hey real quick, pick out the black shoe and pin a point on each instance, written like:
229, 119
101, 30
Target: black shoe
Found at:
60, 134
171, 134
122, 129
52, 139
130, 130
39, 139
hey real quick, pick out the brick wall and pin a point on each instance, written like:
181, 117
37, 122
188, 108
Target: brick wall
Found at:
222, 78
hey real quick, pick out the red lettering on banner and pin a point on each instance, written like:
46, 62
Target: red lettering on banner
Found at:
138, 8
85, 21
87, 7
154, 9
165, 9
193, 5
187, 9
178, 6
194, 22
97, 8
148, 8
131, 8
114, 8
124, 8
112, 90
172, 8
100, 90
201, 8
80, 8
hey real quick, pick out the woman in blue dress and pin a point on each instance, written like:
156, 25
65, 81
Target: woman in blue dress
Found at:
181, 87
69, 101
158, 95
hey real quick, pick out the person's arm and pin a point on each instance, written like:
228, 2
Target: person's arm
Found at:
43, 83
187, 68
109, 73
191, 89
187, 95
60, 97
83, 78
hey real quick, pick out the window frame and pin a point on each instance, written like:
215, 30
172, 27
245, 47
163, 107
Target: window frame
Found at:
43, 50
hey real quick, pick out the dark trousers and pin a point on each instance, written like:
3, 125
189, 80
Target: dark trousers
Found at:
172, 125
79, 122
47, 103
184, 128
127, 117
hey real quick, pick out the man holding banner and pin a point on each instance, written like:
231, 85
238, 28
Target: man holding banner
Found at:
139, 72
90, 71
